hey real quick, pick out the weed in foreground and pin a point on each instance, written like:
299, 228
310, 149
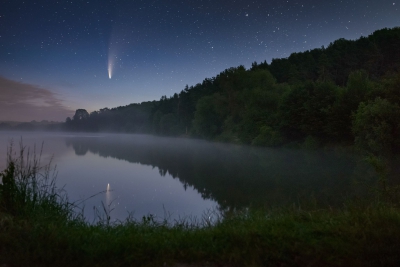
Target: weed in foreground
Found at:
38, 227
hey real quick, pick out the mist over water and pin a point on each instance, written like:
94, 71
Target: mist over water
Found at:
173, 178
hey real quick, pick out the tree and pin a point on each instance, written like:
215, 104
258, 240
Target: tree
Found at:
323, 69
348, 98
80, 114
291, 112
279, 68
260, 109
317, 107
376, 127
169, 124
268, 137
206, 121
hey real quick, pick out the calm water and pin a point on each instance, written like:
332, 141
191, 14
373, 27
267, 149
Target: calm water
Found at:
174, 178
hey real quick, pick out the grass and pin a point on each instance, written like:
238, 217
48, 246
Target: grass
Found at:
38, 227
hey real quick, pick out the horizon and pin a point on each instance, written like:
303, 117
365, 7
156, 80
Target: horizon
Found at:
63, 56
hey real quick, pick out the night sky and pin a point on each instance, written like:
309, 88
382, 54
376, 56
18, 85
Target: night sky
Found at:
57, 56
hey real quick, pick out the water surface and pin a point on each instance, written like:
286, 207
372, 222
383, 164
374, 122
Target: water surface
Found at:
174, 178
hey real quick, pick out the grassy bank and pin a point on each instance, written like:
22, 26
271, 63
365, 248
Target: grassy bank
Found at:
38, 227
367, 236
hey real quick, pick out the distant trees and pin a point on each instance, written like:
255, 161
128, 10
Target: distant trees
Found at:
78, 121
207, 122
169, 124
131, 118
81, 114
347, 91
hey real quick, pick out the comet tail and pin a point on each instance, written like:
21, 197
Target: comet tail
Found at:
109, 70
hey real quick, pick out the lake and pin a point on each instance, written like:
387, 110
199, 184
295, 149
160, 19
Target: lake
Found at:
174, 178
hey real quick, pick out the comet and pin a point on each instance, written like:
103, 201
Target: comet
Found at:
110, 68
110, 65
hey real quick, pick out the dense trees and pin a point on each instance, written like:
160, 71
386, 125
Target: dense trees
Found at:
376, 126
131, 118
347, 91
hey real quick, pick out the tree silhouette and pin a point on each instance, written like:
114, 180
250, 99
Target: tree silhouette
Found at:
80, 114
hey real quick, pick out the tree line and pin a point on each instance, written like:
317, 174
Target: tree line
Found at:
348, 92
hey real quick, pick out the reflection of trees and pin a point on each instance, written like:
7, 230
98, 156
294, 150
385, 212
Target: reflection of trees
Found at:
80, 148
233, 176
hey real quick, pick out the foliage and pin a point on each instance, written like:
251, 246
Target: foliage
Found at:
29, 189
311, 94
206, 121
376, 126
357, 236
38, 227
133, 118
268, 137
168, 124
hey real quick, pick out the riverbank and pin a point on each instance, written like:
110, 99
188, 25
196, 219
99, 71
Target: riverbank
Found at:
354, 236
40, 227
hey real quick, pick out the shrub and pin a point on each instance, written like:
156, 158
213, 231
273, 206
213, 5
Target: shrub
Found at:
29, 189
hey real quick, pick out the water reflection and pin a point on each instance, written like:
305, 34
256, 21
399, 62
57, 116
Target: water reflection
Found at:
237, 176
108, 196
145, 174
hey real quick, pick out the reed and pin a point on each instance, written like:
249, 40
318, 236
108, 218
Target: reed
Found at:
39, 227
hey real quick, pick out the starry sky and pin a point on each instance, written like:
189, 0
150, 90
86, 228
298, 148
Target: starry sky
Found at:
57, 56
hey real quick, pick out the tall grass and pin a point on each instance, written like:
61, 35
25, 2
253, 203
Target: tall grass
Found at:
28, 188
38, 227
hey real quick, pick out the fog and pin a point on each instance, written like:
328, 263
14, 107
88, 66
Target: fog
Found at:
175, 177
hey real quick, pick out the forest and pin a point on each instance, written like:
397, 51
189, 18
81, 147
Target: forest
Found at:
346, 93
